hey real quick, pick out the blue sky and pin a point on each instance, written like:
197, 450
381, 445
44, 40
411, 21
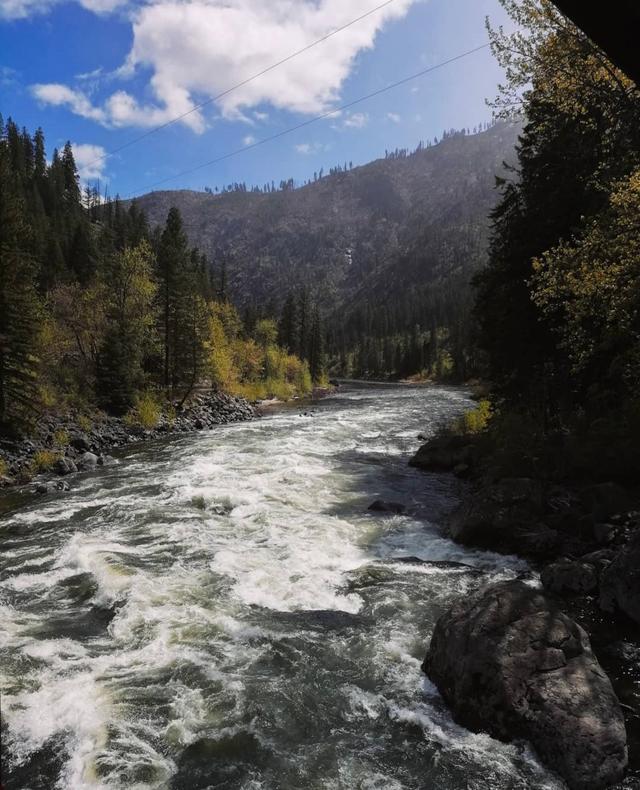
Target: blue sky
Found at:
102, 72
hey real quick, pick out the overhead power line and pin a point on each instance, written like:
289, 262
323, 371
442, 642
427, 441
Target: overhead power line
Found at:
235, 87
308, 122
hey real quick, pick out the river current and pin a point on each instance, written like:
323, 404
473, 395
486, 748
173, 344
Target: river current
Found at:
221, 610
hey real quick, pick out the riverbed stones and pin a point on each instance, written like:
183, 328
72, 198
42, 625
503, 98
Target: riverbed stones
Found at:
508, 662
65, 466
87, 461
52, 486
101, 433
80, 442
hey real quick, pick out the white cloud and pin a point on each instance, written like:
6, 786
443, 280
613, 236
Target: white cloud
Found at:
310, 148
248, 140
120, 109
101, 6
356, 120
90, 75
90, 160
394, 117
197, 49
20, 9
62, 95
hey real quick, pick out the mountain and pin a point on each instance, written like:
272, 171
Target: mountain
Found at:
361, 234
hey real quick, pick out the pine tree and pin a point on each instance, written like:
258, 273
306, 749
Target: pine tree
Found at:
316, 347
172, 255
131, 292
304, 324
289, 325
19, 308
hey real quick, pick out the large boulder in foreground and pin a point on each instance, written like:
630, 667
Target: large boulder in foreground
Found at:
507, 662
620, 583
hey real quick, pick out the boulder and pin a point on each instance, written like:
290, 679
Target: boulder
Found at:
106, 460
570, 576
380, 506
52, 486
508, 662
443, 453
600, 559
65, 466
80, 441
87, 461
506, 517
620, 584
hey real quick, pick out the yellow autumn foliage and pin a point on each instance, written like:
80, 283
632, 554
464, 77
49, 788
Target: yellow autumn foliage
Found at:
253, 367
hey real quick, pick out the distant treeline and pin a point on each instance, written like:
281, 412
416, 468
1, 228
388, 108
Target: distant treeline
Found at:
290, 183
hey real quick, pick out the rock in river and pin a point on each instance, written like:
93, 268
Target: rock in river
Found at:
65, 466
87, 461
508, 662
381, 506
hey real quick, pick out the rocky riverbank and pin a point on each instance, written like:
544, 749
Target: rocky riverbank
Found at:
584, 539
63, 444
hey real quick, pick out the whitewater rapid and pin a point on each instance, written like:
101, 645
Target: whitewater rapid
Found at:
221, 610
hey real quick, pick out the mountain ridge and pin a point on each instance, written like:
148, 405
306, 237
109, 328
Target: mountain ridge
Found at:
353, 227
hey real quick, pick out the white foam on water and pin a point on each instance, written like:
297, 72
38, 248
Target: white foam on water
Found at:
192, 547
75, 704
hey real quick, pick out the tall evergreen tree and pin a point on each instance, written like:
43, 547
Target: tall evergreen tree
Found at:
19, 306
316, 347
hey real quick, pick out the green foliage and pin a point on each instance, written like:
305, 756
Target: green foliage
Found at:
146, 411
581, 136
43, 461
61, 438
558, 303
266, 332
588, 291
130, 292
4, 468
474, 421
84, 423
170, 413
253, 367
19, 304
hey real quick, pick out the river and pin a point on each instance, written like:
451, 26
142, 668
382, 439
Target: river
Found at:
221, 610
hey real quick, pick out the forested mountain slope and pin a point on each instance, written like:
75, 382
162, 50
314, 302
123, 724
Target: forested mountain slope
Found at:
357, 234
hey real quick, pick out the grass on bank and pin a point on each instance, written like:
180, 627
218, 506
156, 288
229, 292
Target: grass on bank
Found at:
43, 461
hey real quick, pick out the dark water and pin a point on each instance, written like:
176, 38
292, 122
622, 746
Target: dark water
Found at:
221, 611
